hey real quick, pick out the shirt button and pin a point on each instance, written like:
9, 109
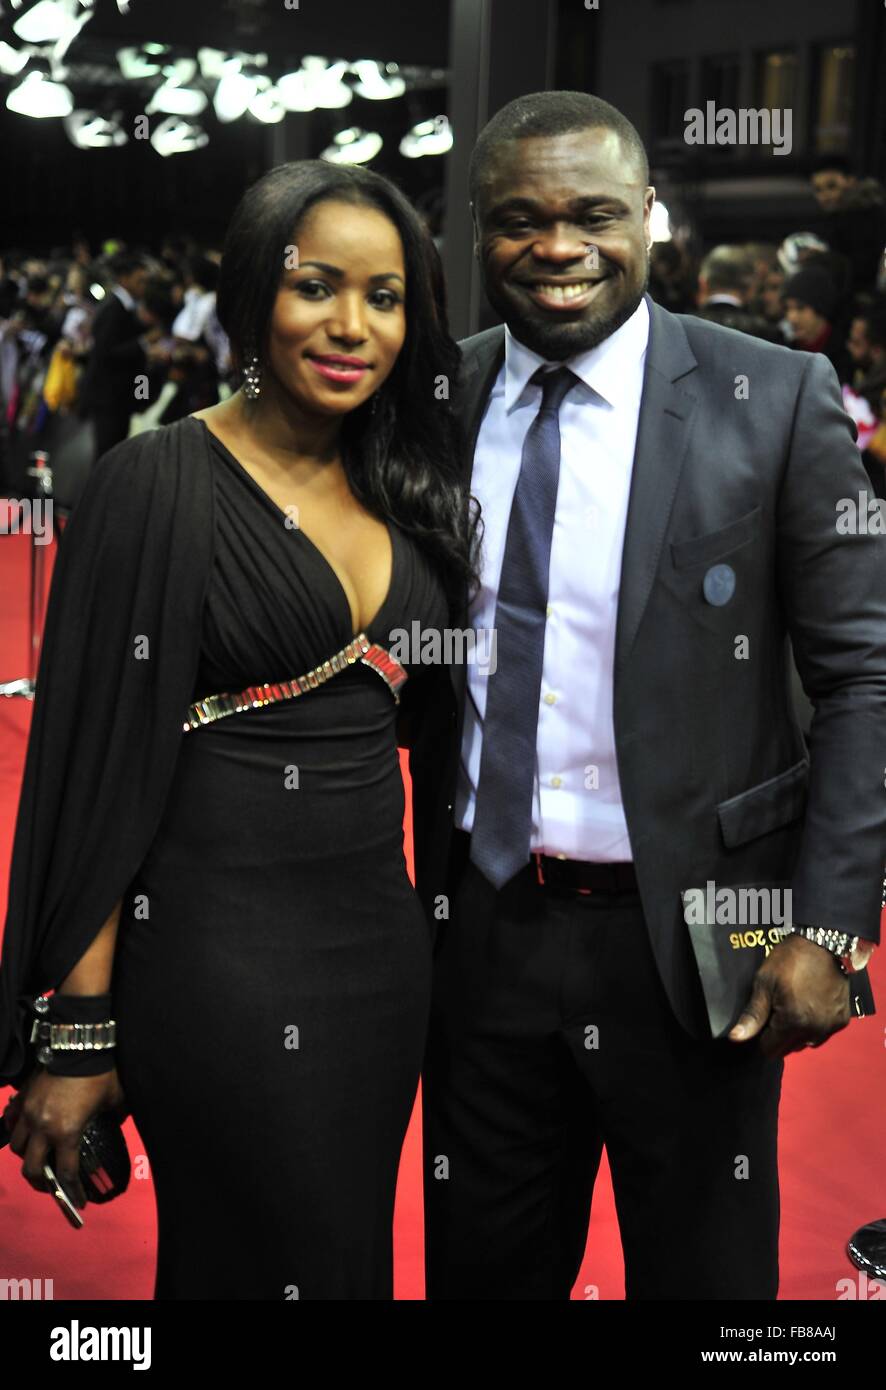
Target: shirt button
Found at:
556, 781
550, 699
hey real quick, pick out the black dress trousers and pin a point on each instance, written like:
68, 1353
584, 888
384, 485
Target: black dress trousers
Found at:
551, 1036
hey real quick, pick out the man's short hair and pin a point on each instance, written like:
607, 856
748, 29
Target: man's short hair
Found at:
727, 268
832, 163
125, 262
551, 113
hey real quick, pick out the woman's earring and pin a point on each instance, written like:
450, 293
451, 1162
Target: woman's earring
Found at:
252, 379
374, 406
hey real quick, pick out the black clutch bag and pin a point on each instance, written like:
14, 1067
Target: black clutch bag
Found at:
105, 1169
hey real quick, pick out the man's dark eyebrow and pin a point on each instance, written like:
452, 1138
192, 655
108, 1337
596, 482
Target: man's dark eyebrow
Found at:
337, 270
515, 204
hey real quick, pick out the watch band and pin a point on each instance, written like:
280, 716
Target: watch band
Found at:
837, 942
841, 945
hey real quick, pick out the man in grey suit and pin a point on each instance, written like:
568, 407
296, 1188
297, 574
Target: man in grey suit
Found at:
661, 499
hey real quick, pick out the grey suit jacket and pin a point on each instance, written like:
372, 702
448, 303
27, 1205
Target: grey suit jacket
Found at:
743, 453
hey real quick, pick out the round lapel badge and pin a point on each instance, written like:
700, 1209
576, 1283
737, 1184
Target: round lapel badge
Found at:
719, 585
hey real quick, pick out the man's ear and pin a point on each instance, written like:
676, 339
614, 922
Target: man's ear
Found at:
476, 246
648, 203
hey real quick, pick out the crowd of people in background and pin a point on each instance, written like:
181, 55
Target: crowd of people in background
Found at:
117, 343
820, 291
127, 341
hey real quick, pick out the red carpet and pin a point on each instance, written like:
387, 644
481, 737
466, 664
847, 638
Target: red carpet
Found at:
832, 1146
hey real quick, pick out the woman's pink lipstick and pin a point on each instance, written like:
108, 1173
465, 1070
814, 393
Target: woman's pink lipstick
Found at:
344, 369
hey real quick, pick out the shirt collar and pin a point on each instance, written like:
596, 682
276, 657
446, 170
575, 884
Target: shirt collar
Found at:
608, 369
124, 297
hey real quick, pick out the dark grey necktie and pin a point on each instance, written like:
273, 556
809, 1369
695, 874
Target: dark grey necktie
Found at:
502, 827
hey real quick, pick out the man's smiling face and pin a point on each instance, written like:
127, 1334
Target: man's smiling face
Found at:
561, 226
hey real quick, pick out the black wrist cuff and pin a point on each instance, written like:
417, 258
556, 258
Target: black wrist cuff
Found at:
89, 1062
79, 1008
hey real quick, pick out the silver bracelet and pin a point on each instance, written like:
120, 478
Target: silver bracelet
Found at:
74, 1037
53, 1038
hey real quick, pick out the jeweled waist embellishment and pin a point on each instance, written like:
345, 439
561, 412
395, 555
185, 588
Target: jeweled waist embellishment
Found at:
360, 648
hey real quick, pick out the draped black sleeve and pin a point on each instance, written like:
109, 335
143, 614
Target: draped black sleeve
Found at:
119, 659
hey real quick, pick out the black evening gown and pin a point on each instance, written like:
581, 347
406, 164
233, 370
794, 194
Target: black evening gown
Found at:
272, 971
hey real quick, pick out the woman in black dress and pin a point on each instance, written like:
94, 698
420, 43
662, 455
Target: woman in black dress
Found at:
268, 962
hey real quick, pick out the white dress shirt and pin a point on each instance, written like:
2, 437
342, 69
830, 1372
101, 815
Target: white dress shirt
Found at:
124, 297
197, 309
198, 319
577, 811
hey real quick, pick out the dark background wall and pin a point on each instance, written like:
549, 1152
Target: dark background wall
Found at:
633, 54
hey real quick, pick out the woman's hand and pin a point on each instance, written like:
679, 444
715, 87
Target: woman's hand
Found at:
51, 1113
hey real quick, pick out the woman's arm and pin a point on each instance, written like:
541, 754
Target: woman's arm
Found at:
50, 1112
92, 973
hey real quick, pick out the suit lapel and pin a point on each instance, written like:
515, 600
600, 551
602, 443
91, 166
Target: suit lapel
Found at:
666, 411
476, 380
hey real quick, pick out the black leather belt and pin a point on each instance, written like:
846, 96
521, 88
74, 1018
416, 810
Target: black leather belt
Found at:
580, 876
565, 875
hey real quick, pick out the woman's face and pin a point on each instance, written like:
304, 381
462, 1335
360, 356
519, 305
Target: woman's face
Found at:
806, 323
339, 319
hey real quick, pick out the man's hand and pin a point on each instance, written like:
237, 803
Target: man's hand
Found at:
800, 997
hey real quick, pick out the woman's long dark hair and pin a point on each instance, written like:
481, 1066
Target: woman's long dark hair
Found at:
403, 461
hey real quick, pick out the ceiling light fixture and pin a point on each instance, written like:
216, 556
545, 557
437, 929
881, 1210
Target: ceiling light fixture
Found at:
88, 130
353, 146
234, 92
38, 96
315, 84
175, 135
144, 61
12, 60
428, 137
48, 20
377, 83
266, 105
